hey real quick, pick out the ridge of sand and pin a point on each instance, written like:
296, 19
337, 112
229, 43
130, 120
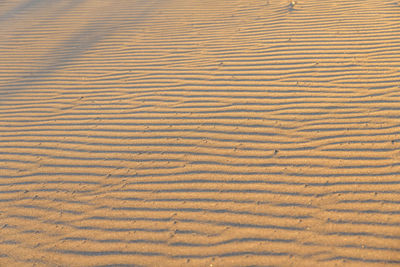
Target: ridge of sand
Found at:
199, 133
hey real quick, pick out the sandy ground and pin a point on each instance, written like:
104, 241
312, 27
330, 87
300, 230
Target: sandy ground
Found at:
199, 133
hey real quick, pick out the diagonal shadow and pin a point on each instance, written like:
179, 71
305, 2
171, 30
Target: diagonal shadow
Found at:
95, 31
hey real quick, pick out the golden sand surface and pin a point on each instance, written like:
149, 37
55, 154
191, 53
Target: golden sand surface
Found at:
199, 133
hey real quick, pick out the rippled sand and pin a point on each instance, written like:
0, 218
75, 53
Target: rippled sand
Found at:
199, 133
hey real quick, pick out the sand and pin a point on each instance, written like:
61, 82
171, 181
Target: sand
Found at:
199, 133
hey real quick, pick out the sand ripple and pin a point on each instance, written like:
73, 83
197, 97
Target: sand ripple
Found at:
199, 133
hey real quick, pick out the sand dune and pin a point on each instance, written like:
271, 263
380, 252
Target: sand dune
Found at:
199, 133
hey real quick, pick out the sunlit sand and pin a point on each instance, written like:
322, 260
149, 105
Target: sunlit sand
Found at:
199, 133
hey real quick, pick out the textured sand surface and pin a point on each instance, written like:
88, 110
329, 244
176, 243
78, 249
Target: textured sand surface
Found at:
199, 133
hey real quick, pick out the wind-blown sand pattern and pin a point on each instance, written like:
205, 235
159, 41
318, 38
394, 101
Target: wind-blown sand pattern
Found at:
199, 133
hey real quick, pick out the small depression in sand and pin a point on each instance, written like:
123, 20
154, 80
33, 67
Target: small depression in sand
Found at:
199, 133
